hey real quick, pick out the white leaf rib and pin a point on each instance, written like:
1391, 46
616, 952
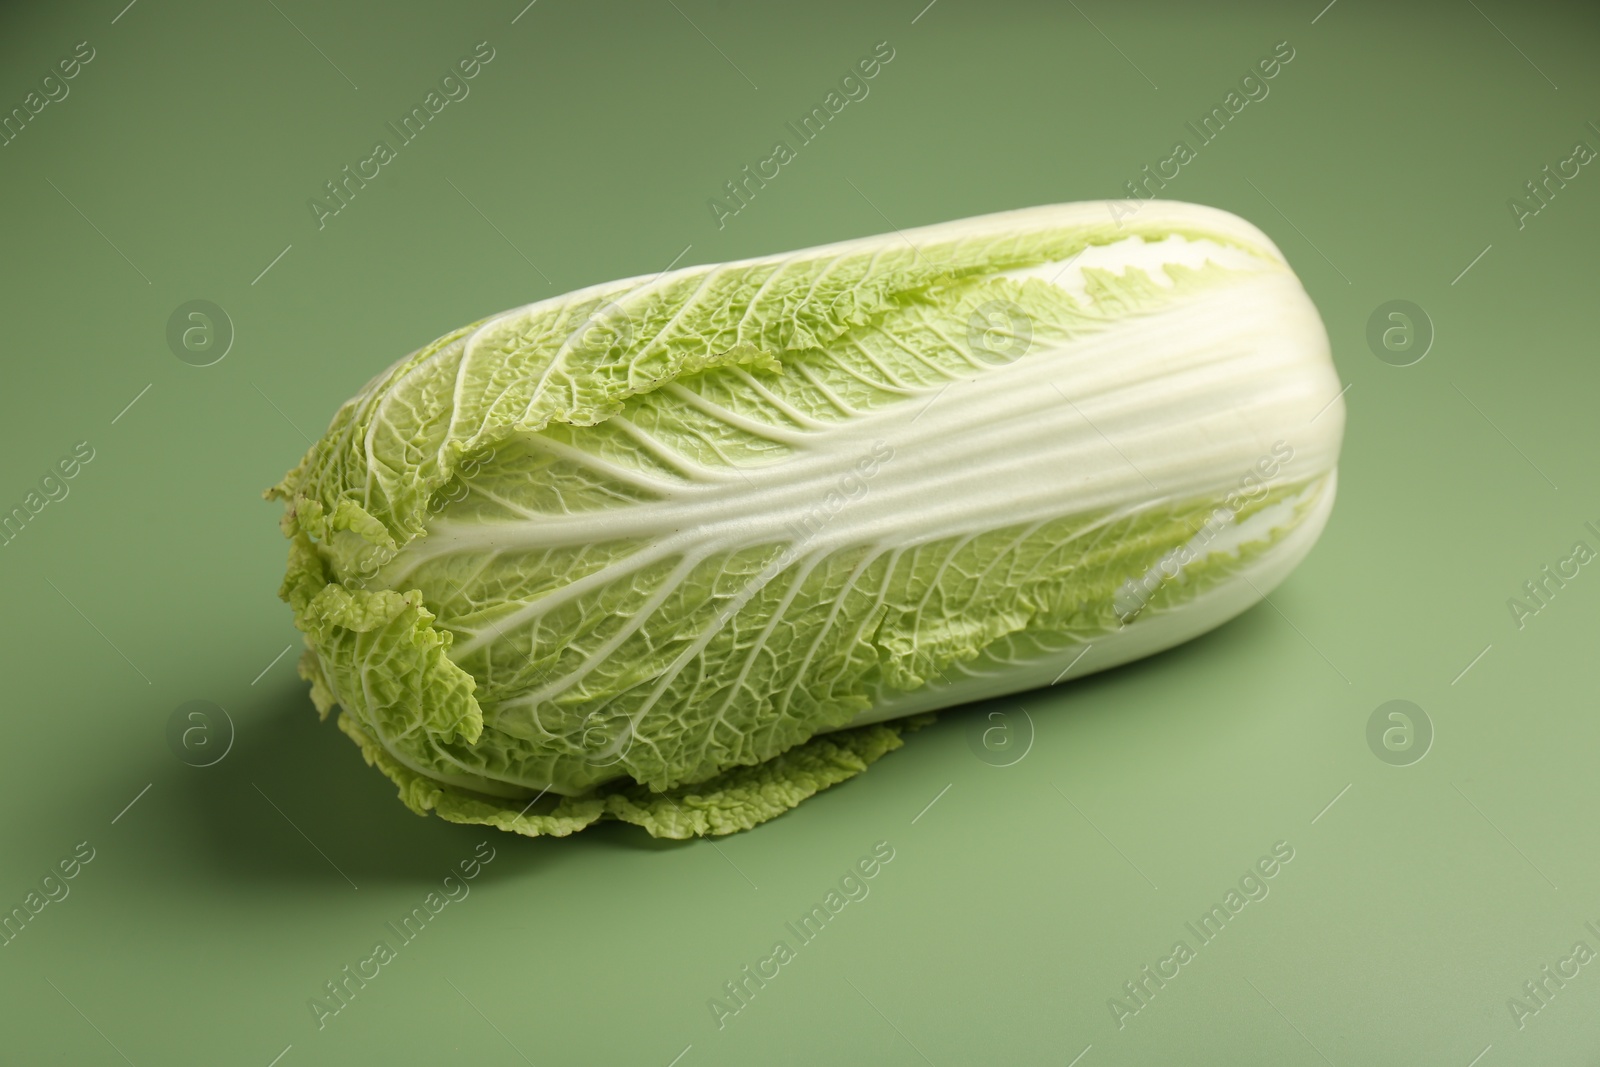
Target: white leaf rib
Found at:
689, 468
832, 264
827, 625
613, 748
1098, 528
526, 513
602, 296
403, 566
488, 560
715, 447
692, 301
870, 617
888, 376
985, 442
978, 441
941, 241
938, 576
1009, 553
917, 354
638, 617
803, 571
542, 605
950, 342
384, 400
736, 420
828, 394
637, 479
864, 380
389, 394
794, 414
779, 270
456, 399
719, 623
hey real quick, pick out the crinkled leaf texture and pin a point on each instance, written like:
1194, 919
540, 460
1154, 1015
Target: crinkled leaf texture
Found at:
684, 550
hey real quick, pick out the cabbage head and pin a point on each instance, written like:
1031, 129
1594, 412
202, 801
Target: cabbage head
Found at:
685, 549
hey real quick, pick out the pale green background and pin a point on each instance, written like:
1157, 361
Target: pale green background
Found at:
1413, 908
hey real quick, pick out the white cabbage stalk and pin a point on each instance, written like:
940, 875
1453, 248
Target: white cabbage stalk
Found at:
685, 549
